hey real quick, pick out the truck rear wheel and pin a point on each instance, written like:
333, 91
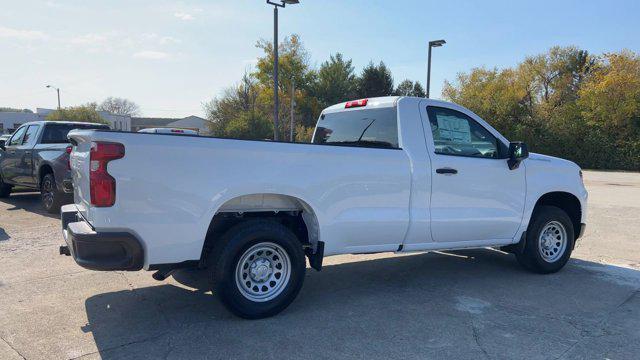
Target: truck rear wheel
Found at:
5, 189
257, 268
51, 197
550, 239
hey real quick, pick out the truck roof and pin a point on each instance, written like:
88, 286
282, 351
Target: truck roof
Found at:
386, 101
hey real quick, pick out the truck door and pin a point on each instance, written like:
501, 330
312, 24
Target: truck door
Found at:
474, 194
9, 159
24, 153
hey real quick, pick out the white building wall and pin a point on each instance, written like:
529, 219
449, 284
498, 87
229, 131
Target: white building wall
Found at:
10, 121
116, 122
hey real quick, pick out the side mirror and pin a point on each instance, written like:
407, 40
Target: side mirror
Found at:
518, 151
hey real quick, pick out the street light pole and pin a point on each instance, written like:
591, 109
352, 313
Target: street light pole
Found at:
58, 91
276, 102
275, 74
432, 44
293, 104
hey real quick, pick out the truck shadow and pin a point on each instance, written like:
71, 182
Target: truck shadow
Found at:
458, 304
27, 201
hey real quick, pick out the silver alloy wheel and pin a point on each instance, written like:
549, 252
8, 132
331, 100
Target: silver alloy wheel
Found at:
263, 272
47, 193
552, 241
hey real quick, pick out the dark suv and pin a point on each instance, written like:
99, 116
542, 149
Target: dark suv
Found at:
37, 156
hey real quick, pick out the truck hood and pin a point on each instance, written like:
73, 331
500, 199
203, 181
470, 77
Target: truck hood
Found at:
551, 161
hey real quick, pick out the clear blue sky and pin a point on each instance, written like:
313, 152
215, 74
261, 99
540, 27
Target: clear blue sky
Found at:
171, 56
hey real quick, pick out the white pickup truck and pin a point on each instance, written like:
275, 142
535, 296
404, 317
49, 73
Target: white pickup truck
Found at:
396, 174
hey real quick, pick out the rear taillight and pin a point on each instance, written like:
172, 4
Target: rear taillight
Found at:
68, 150
103, 185
356, 103
178, 131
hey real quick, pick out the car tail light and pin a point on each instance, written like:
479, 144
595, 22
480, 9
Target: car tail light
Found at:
356, 103
177, 131
103, 185
68, 150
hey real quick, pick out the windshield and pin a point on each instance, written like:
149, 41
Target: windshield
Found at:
362, 127
57, 133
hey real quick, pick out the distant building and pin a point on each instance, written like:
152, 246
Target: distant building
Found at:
190, 122
11, 120
116, 122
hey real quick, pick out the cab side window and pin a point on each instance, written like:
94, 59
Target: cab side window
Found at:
30, 135
455, 133
17, 137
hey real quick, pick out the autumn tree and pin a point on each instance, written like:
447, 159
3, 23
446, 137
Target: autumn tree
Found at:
82, 113
119, 106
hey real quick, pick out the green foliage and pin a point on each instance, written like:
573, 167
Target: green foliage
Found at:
375, 81
336, 81
409, 88
249, 125
565, 103
82, 113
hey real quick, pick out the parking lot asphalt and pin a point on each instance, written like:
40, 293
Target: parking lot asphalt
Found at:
461, 305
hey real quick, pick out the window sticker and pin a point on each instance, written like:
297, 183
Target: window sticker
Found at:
454, 129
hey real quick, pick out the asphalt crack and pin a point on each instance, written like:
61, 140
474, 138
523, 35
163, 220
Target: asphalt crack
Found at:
12, 348
103, 351
600, 326
476, 338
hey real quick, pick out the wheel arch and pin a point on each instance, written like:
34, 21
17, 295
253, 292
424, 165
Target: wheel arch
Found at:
566, 201
292, 211
44, 169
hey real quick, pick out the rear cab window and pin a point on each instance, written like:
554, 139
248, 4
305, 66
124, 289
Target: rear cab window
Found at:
375, 128
57, 133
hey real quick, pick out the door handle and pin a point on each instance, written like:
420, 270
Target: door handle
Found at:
447, 171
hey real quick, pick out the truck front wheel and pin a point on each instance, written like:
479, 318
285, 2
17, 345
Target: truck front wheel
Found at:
257, 268
550, 239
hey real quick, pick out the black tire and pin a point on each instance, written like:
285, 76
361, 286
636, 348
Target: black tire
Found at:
50, 196
5, 189
233, 247
542, 259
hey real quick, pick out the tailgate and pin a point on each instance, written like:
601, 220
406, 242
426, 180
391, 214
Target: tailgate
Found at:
80, 162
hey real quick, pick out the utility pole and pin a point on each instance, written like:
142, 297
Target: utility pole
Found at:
293, 104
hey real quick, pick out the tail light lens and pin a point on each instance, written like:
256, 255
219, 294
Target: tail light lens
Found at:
356, 103
103, 185
68, 150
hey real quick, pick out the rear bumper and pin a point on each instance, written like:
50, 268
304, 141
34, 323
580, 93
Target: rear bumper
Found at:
93, 250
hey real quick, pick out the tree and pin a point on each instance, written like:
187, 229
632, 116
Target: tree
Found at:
611, 97
409, 88
82, 113
565, 102
375, 81
119, 106
238, 113
336, 81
